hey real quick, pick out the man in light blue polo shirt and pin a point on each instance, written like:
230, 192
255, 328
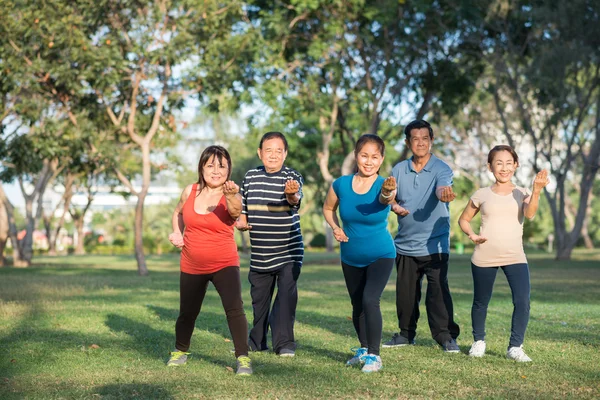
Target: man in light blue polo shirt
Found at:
423, 241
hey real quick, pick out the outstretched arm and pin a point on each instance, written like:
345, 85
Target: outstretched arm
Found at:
233, 199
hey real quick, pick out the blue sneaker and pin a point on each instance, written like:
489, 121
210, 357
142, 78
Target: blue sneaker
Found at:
372, 363
359, 356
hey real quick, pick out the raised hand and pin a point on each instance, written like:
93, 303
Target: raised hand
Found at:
477, 239
291, 187
176, 238
230, 189
399, 210
389, 185
446, 194
541, 181
340, 235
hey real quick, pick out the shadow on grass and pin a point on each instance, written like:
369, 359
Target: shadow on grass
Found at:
132, 391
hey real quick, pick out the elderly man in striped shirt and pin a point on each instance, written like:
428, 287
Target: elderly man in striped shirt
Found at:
271, 196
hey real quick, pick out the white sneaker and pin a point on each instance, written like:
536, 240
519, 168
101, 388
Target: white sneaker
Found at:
477, 349
372, 363
517, 354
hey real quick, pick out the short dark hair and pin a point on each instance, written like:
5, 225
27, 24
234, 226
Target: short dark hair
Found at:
212, 151
502, 147
369, 138
273, 135
418, 124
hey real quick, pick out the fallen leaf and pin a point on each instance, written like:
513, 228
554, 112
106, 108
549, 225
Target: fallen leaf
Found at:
229, 369
13, 361
94, 346
227, 340
523, 376
349, 318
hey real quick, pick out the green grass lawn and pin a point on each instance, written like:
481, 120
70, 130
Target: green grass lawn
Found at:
89, 327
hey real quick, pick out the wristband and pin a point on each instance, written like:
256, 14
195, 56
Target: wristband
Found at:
388, 196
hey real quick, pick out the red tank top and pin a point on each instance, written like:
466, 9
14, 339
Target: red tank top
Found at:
208, 243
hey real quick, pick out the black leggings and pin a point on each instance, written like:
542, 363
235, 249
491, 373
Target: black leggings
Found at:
192, 291
365, 286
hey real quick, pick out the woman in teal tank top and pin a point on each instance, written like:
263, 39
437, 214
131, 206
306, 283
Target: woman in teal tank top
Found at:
367, 248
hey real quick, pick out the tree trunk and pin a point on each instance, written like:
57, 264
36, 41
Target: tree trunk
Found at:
27, 243
50, 235
138, 230
80, 246
3, 232
245, 247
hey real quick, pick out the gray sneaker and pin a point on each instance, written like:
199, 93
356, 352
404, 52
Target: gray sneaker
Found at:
398, 341
244, 366
286, 353
450, 346
177, 358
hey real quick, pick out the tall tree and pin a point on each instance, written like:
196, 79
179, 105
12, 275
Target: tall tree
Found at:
546, 62
138, 61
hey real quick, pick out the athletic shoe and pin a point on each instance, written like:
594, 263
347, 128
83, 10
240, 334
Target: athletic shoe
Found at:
177, 358
244, 366
477, 349
286, 353
450, 346
372, 363
359, 356
398, 341
517, 354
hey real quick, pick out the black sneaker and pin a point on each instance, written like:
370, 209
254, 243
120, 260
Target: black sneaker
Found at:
398, 341
450, 346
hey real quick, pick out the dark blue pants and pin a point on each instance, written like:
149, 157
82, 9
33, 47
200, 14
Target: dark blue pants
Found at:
483, 282
365, 286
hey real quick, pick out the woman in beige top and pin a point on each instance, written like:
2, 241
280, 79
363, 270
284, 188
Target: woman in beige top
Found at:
499, 244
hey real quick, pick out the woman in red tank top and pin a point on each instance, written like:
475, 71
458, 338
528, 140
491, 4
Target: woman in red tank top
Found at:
203, 223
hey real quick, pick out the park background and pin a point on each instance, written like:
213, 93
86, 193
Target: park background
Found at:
115, 100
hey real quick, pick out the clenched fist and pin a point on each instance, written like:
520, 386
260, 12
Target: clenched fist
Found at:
176, 238
389, 185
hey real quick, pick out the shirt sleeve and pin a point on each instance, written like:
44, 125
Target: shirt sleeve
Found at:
444, 177
300, 181
244, 193
336, 187
476, 198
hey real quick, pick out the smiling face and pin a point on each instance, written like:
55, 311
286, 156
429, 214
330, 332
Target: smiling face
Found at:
369, 159
215, 172
503, 166
272, 154
420, 142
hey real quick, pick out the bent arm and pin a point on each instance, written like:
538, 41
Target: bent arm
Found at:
464, 221
329, 209
531, 204
177, 217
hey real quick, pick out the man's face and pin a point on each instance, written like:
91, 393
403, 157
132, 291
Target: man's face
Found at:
272, 154
419, 143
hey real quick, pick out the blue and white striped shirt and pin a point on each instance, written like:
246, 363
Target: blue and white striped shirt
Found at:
275, 236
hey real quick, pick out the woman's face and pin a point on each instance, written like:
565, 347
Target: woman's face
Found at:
503, 166
369, 159
215, 172
272, 154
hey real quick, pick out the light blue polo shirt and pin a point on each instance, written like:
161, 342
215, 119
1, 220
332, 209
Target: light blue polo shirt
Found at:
426, 230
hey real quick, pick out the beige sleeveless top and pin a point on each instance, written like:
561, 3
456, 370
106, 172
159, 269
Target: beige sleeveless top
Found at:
502, 225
